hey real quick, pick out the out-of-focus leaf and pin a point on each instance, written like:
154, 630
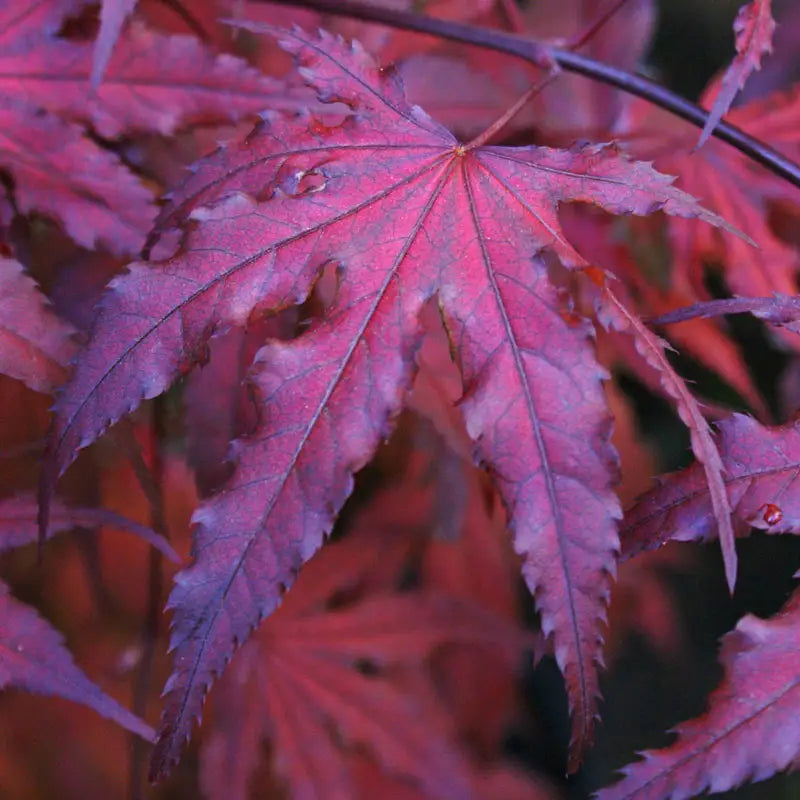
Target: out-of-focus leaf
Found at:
35, 345
750, 730
754, 27
33, 658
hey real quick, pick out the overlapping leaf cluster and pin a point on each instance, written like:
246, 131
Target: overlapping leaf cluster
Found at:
297, 276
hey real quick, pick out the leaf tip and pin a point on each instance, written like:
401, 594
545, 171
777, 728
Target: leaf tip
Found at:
730, 574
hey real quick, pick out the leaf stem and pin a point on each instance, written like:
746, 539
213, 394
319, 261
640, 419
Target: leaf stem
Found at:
582, 38
512, 111
543, 55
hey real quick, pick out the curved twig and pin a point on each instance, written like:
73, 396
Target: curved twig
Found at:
544, 55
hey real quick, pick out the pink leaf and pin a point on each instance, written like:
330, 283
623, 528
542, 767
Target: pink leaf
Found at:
152, 82
33, 658
753, 27
750, 730
735, 188
112, 17
298, 681
614, 315
62, 173
761, 467
35, 345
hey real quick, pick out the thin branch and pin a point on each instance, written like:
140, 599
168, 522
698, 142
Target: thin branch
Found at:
543, 55
777, 309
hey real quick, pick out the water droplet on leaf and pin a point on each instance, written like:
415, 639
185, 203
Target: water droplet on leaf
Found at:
771, 514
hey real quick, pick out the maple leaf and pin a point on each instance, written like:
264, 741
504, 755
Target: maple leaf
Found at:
113, 14
760, 467
33, 657
58, 171
55, 168
301, 676
750, 729
301, 680
733, 187
35, 345
32, 654
613, 314
152, 83
635, 258
754, 27
406, 211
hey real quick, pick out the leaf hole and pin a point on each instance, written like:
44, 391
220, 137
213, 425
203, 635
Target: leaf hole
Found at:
305, 182
323, 296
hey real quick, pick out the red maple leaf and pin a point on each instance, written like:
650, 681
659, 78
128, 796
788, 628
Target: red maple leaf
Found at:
406, 211
346, 663
59, 171
112, 17
615, 315
735, 188
750, 730
33, 658
35, 345
760, 467
152, 83
300, 679
754, 27
32, 654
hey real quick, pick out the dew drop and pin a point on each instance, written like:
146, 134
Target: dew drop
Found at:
771, 514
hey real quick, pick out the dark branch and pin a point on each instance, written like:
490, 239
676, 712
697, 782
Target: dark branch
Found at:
544, 55
778, 309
